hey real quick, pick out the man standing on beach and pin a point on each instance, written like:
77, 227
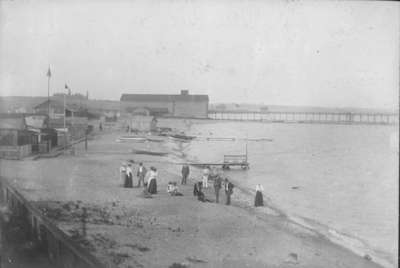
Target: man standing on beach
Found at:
228, 191
217, 187
141, 173
185, 173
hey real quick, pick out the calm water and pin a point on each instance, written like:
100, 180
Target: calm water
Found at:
347, 176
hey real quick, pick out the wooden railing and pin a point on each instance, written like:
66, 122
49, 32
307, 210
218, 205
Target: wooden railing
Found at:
308, 117
61, 249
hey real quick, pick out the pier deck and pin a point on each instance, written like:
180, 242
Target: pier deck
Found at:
307, 117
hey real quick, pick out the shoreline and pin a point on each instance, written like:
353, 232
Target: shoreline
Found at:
151, 207
355, 245
349, 241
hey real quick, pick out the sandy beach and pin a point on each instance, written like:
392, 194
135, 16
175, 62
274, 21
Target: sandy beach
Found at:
124, 229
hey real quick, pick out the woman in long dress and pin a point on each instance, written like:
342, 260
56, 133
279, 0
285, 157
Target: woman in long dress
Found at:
128, 179
122, 172
258, 201
152, 182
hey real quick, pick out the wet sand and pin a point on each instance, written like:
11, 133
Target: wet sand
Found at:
125, 229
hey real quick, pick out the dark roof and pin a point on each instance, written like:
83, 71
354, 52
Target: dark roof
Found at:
163, 98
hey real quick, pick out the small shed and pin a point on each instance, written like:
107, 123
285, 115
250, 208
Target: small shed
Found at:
15, 139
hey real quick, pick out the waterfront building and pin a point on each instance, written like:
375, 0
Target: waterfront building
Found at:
181, 105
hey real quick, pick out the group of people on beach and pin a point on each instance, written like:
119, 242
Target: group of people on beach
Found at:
218, 183
149, 181
126, 172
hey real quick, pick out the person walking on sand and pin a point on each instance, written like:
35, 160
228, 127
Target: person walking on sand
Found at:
258, 201
141, 173
217, 187
152, 181
128, 180
185, 173
228, 191
206, 175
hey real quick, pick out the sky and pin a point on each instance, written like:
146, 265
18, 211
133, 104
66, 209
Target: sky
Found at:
312, 53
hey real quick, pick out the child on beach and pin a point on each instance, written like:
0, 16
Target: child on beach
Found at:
172, 189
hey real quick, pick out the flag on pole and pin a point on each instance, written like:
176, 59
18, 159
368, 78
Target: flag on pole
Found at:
69, 90
49, 72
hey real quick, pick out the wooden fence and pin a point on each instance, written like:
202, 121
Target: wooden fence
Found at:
15, 152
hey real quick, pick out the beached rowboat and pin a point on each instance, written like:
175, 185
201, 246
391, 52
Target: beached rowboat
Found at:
148, 152
132, 138
182, 137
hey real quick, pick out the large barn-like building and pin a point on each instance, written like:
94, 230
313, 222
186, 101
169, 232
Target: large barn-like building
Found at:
182, 105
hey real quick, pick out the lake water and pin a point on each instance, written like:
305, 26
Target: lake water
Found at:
345, 176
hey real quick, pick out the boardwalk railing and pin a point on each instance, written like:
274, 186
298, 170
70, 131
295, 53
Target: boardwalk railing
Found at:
308, 117
61, 249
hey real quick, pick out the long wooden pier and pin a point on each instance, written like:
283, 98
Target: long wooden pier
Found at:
308, 117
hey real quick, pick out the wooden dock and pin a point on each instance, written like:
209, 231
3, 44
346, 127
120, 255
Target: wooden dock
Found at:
237, 160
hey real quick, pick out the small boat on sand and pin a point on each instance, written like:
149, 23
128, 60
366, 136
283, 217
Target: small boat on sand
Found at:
132, 138
220, 139
182, 137
148, 152
155, 139
259, 139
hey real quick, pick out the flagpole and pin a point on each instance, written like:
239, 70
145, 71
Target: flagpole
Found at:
48, 95
64, 112
65, 133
